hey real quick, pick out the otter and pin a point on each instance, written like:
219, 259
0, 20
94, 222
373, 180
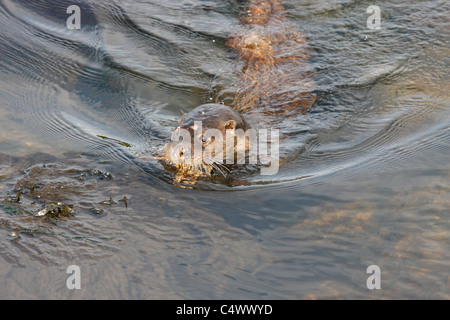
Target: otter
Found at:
208, 133
275, 80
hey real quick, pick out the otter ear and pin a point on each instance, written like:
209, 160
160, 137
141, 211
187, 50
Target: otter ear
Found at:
181, 117
230, 125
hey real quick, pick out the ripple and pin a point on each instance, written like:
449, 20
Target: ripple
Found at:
364, 173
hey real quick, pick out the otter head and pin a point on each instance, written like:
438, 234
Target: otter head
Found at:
204, 140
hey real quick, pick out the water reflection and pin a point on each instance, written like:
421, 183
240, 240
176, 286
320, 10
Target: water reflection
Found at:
365, 179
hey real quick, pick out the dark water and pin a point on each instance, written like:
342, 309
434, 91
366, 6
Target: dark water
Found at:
364, 180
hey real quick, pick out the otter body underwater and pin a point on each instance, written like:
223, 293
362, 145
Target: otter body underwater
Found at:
274, 81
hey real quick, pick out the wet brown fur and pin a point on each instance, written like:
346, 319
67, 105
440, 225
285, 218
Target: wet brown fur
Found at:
276, 77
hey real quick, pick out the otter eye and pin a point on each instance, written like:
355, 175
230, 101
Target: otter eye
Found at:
181, 152
205, 139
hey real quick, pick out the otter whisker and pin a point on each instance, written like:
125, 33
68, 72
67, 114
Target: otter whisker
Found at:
223, 167
215, 165
218, 169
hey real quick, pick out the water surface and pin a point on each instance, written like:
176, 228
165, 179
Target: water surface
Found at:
364, 179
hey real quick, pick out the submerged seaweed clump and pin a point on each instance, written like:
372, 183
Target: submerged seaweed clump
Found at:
56, 209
